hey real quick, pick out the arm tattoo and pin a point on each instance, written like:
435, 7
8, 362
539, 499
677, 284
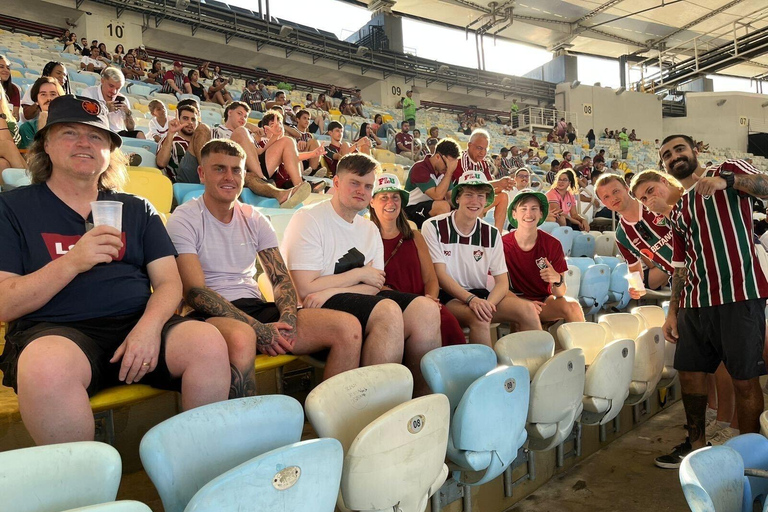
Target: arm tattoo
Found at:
679, 276
243, 383
285, 293
211, 303
695, 411
753, 184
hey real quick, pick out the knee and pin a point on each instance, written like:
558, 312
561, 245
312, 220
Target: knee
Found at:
208, 345
574, 311
47, 365
241, 344
387, 312
240, 135
744, 387
425, 312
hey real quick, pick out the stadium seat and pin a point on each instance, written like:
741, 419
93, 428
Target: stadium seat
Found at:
609, 369
572, 282
482, 397
583, 244
287, 479
605, 244
594, 286
85, 77
59, 476
713, 479
180, 190
394, 447
192, 194
753, 449
14, 178
252, 199
147, 145
618, 289
565, 235
154, 187
235, 431
549, 226
114, 506
649, 316
621, 325
557, 385
147, 158
611, 261
210, 117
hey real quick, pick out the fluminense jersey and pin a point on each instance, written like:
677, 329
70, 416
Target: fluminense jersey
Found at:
650, 236
469, 258
421, 178
713, 239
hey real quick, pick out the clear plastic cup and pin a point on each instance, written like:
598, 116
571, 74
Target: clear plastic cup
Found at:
107, 213
636, 281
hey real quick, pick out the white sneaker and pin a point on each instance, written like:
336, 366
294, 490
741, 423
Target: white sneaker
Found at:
714, 426
711, 415
723, 435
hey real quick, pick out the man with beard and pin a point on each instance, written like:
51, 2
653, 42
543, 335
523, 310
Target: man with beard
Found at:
177, 139
716, 310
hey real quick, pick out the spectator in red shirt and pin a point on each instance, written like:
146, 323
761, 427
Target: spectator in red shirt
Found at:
176, 82
404, 141
535, 260
533, 142
566, 163
599, 157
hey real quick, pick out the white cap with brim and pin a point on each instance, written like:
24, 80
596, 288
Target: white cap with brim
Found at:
386, 182
473, 178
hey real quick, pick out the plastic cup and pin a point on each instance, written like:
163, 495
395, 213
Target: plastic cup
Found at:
636, 281
107, 213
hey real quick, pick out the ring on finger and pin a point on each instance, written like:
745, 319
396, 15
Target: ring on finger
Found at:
145, 364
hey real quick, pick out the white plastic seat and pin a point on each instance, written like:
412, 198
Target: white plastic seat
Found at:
114, 506
572, 282
394, 447
621, 325
59, 476
609, 369
650, 316
654, 316
557, 385
605, 244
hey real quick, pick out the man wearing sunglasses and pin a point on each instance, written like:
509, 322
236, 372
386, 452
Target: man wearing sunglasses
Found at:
428, 191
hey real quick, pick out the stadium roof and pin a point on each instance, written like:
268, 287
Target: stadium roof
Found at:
607, 28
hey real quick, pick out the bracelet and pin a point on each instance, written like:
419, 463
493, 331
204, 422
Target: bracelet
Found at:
5, 129
469, 299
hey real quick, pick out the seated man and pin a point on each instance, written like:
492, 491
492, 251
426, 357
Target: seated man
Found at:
536, 261
223, 289
263, 162
404, 141
91, 61
131, 69
305, 143
43, 92
336, 260
282, 104
252, 96
176, 141
465, 251
175, 81
337, 148
118, 107
427, 184
83, 314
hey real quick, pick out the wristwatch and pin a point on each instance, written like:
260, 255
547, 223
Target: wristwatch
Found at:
728, 177
3, 116
559, 283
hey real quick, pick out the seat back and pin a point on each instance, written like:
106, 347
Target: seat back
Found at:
154, 187
650, 316
530, 349
609, 376
148, 145
588, 336
59, 476
572, 282
114, 506
619, 287
286, 479
753, 449
187, 451
399, 457
713, 479
593, 290
605, 244
147, 158
583, 245
549, 226
451, 370
564, 234
611, 261
649, 361
621, 325
581, 263
345, 404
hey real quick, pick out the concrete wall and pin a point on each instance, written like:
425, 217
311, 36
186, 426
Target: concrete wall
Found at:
600, 107
564, 68
725, 126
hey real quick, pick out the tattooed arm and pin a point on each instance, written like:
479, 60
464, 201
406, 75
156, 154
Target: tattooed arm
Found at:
269, 337
679, 277
285, 293
752, 184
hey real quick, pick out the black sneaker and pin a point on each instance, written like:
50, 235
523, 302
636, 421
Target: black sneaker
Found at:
673, 460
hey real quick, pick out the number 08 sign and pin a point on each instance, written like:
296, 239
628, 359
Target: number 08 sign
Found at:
586, 109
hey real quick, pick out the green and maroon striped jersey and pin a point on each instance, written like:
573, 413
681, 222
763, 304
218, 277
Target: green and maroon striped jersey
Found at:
650, 237
713, 239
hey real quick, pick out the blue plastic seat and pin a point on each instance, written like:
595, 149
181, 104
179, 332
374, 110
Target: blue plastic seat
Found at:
583, 245
147, 145
287, 479
565, 235
753, 449
252, 199
210, 117
14, 178
147, 158
180, 190
618, 289
713, 479
85, 78
185, 452
611, 261
59, 476
192, 194
595, 284
549, 226
482, 397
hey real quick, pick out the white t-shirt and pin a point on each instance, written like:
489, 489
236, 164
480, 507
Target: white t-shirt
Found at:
116, 118
26, 100
227, 252
317, 238
96, 63
220, 131
156, 129
468, 258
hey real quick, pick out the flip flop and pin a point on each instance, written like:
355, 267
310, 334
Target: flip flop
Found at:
297, 195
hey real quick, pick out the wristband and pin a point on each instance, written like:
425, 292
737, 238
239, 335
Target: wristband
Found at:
469, 299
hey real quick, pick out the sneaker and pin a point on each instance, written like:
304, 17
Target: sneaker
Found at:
673, 460
713, 427
723, 435
711, 415
297, 194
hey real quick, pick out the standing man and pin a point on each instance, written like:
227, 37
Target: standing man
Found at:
336, 261
427, 184
119, 108
624, 143
218, 240
252, 96
176, 141
717, 306
409, 108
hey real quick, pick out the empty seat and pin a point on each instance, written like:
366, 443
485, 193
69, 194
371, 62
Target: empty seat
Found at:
583, 245
654, 316
572, 282
650, 316
182, 189
611, 261
605, 244
609, 369
147, 159
13, 178
185, 452
114, 506
557, 385
753, 449
595, 284
713, 479
618, 288
287, 479
154, 187
564, 235
394, 447
621, 325
482, 397
147, 145
59, 476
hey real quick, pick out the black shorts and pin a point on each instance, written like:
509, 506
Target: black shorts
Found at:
361, 306
732, 333
263, 164
131, 134
313, 127
445, 297
98, 338
419, 212
264, 312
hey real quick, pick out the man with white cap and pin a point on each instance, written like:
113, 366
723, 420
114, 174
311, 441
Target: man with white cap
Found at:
91, 306
466, 250
536, 261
